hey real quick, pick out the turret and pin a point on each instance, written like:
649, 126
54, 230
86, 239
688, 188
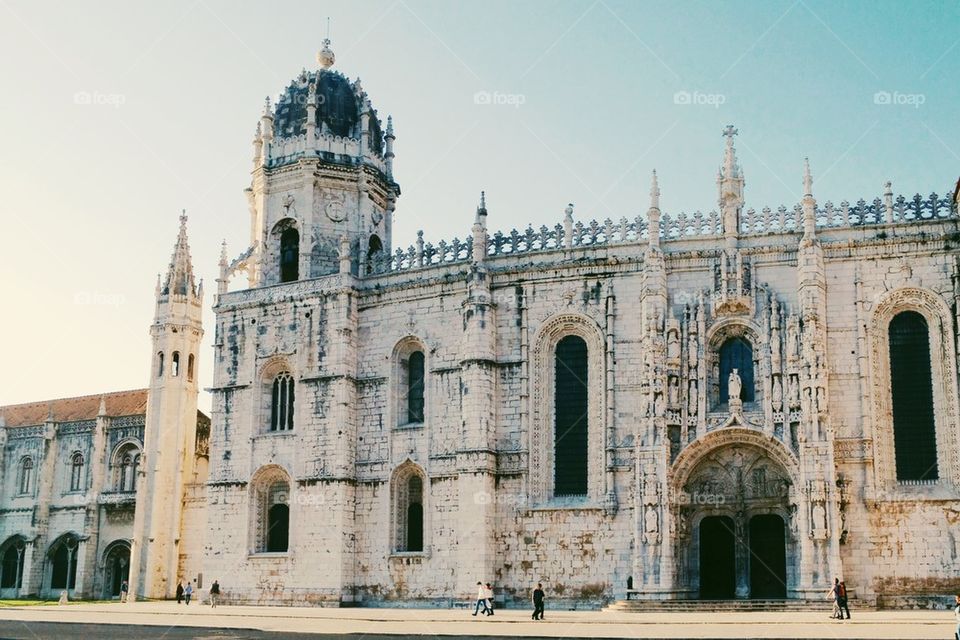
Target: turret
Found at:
730, 185
170, 430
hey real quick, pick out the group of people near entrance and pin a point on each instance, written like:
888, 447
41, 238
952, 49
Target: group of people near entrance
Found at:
485, 600
185, 593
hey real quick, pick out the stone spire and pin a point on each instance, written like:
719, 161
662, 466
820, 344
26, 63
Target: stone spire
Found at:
388, 154
653, 214
808, 203
480, 231
730, 185
179, 279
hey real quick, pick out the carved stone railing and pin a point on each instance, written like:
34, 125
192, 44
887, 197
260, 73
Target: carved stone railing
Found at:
583, 235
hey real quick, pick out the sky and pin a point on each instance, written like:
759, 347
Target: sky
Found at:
117, 115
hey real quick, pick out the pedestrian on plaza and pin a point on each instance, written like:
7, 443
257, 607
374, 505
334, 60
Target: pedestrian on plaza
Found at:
481, 598
214, 594
489, 595
187, 592
842, 601
179, 591
956, 613
834, 595
538, 602
124, 588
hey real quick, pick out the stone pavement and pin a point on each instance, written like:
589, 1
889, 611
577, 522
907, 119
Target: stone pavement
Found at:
181, 621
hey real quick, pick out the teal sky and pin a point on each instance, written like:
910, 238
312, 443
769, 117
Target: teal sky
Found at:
590, 91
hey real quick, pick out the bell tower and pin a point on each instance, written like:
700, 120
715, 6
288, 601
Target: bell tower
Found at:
322, 172
168, 459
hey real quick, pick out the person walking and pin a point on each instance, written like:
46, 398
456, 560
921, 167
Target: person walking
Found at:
834, 595
214, 594
538, 602
481, 598
842, 601
124, 588
187, 592
489, 596
956, 613
179, 591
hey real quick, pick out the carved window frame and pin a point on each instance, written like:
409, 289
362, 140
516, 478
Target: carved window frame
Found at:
943, 375
400, 384
717, 335
273, 368
270, 485
541, 448
399, 503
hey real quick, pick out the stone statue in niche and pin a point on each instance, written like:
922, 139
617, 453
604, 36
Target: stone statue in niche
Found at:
734, 385
693, 356
793, 341
777, 394
658, 406
289, 206
692, 398
651, 525
673, 346
793, 393
819, 524
674, 391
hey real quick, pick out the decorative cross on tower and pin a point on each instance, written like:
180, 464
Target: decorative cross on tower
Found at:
183, 216
729, 132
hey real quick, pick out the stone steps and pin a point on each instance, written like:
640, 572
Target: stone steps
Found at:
695, 606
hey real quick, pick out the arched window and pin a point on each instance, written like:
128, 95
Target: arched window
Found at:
190, 361
571, 412
282, 402
289, 255
175, 364
11, 564
374, 254
126, 463
160, 364
76, 472
408, 513
736, 353
415, 514
914, 433
271, 498
415, 387
25, 482
63, 559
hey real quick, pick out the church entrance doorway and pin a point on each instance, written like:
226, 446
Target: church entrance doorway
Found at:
116, 568
717, 558
768, 557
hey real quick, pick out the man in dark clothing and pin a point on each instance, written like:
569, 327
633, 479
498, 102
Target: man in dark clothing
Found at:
842, 600
214, 594
179, 592
538, 602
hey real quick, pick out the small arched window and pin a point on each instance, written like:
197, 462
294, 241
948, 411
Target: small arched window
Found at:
415, 372
407, 488
160, 364
190, 361
911, 386
25, 482
374, 254
271, 497
289, 255
127, 463
175, 364
282, 402
76, 472
571, 414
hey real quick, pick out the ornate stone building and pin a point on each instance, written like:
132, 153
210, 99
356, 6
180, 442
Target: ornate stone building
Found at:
742, 403
84, 478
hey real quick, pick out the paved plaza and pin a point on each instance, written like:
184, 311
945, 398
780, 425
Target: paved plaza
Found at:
168, 620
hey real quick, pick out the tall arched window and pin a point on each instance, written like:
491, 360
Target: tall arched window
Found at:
271, 500
25, 482
374, 254
736, 353
289, 255
63, 559
407, 488
11, 564
160, 364
571, 413
190, 361
175, 364
76, 472
415, 387
282, 402
126, 462
914, 433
